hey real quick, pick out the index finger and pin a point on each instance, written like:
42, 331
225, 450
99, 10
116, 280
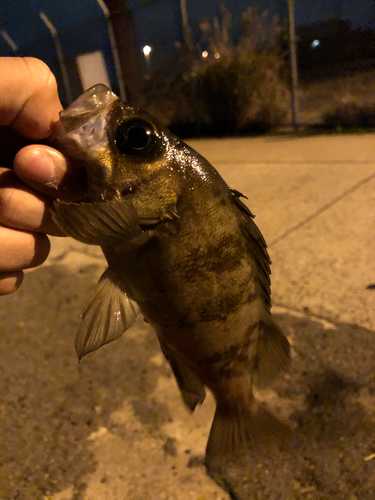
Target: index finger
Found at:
29, 101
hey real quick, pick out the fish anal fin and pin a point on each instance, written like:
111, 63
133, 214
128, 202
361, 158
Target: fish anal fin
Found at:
107, 316
272, 354
191, 388
241, 429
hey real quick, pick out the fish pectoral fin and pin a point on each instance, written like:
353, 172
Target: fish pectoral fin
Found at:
241, 428
109, 314
272, 352
96, 223
191, 388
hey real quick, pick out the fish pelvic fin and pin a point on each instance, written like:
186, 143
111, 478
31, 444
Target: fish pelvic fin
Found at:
191, 388
109, 314
242, 429
271, 352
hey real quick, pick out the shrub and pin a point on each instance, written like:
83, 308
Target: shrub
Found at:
350, 115
237, 88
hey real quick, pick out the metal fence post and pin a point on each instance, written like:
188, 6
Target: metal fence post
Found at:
12, 44
60, 56
293, 63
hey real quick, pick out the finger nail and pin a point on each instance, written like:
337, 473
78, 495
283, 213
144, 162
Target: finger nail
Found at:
42, 166
10, 282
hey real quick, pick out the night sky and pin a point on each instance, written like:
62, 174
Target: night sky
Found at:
157, 22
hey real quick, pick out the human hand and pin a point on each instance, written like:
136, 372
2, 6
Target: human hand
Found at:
29, 107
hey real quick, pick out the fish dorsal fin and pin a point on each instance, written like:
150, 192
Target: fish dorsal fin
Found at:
109, 314
257, 244
95, 223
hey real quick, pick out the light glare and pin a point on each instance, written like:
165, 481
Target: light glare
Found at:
147, 50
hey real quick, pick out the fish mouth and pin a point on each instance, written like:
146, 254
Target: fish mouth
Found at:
92, 102
82, 125
82, 136
98, 198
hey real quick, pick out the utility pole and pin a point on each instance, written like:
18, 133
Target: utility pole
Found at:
185, 25
293, 64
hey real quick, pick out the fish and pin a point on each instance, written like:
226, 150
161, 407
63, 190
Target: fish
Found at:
183, 250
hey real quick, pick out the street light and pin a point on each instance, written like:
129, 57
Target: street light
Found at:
147, 51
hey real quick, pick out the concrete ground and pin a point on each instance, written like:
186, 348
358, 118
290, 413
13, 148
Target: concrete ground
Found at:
113, 427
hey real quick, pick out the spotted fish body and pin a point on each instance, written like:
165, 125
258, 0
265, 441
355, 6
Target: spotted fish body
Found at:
182, 249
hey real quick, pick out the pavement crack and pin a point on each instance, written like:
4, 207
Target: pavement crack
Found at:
322, 209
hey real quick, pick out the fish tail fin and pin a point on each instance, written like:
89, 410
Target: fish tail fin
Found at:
242, 429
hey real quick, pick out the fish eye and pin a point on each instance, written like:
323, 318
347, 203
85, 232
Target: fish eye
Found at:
136, 138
